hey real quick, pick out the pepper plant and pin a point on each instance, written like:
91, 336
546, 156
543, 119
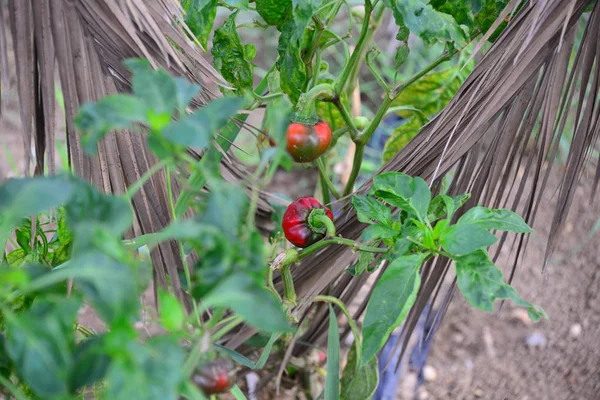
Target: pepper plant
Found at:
77, 255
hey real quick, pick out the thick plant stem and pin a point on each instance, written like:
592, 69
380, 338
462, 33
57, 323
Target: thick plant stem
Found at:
356, 163
378, 13
364, 137
329, 187
289, 293
357, 53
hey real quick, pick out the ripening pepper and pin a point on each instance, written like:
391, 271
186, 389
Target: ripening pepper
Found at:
214, 377
306, 143
303, 223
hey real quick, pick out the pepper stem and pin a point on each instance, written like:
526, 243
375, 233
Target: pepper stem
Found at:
289, 293
319, 222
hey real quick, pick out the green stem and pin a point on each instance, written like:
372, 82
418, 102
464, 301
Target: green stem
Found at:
378, 14
307, 100
315, 76
328, 241
354, 133
289, 293
262, 85
351, 323
324, 190
373, 53
132, 190
186, 267
227, 328
356, 163
271, 286
325, 178
267, 97
356, 54
319, 221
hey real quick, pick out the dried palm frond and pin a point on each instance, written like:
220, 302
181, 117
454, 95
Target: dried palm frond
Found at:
499, 135
86, 41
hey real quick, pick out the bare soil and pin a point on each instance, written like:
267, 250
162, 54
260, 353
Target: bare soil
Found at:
486, 356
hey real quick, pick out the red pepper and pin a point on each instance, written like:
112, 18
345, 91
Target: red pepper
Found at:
214, 377
306, 143
301, 225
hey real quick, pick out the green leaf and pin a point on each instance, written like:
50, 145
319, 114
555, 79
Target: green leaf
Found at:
361, 384
273, 11
278, 112
403, 191
226, 207
251, 301
401, 136
402, 50
22, 197
391, 300
290, 64
465, 238
113, 291
200, 17
156, 88
460, 10
433, 92
443, 206
365, 258
487, 14
90, 209
91, 363
229, 56
40, 344
245, 361
114, 112
186, 91
426, 22
16, 258
481, 284
371, 211
151, 371
501, 220
237, 393
332, 380
197, 129
374, 232
172, 316
240, 4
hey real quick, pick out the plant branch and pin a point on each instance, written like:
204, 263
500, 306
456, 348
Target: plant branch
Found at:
357, 53
378, 13
346, 117
289, 293
356, 163
329, 185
